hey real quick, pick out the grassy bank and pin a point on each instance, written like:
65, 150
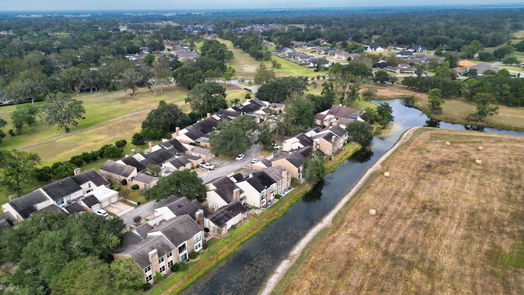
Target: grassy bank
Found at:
218, 250
440, 229
455, 110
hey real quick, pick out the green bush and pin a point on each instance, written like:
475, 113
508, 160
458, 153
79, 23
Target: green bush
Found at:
179, 266
158, 277
146, 286
138, 139
115, 187
123, 182
44, 174
120, 143
205, 245
135, 187
278, 196
193, 255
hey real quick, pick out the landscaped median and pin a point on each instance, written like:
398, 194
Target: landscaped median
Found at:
220, 249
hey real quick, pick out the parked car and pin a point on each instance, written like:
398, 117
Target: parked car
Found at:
102, 212
207, 166
276, 146
254, 161
239, 157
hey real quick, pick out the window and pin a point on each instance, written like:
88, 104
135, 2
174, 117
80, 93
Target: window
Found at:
161, 259
182, 248
170, 263
198, 246
147, 269
162, 269
149, 278
182, 257
169, 254
198, 237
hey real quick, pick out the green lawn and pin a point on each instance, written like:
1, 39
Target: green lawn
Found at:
245, 65
289, 68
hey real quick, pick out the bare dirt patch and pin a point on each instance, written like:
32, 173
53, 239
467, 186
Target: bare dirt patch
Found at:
444, 224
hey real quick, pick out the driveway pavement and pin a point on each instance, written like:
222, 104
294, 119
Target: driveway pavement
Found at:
119, 208
144, 210
249, 155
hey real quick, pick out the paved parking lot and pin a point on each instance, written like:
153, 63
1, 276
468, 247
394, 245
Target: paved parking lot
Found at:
119, 208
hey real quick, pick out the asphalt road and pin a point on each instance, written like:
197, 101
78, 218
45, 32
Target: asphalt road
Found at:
249, 155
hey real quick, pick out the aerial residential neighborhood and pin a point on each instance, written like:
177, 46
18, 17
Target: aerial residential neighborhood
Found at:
261, 148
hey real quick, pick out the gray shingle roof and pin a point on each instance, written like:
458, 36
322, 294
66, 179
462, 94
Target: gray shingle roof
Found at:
74, 208
183, 206
145, 178
337, 130
173, 144
61, 188
161, 156
25, 205
224, 214
224, 188
118, 169
90, 201
131, 161
179, 229
90, 175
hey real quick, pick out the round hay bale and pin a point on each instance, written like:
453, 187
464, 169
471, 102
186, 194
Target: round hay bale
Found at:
448, 143
480, 148
478, 162
372, 212
386, 174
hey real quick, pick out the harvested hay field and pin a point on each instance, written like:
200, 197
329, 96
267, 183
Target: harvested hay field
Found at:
444, 224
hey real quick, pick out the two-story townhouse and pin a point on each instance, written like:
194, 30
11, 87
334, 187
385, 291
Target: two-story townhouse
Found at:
223, 191
157, 249
331, 140
294, 162
262, 186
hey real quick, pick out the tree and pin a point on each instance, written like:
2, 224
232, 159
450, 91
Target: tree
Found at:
121, 143
502, 51
264, 74
230, 139
510, 60
346, 80
229, 73
162, 72
166, 117
3, 123
216, 50
183, 183
443, 71
24, 114
84, 276
300, 111
62, 110
17, 168
385, 114
149, 59
280, 89
314, 168
360, 132
382, 77
264, 137
126, 275
485, 107
207, 97
435, 101
138, 139
131, 78
370, 93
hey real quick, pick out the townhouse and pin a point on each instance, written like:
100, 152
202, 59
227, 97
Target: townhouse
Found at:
293, 162
338, 115
262, 186
223, 191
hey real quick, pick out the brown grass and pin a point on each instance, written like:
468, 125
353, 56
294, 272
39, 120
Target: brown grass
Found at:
445, 225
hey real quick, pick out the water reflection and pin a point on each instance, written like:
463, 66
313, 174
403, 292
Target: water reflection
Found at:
363, 155
315, 194
433, 123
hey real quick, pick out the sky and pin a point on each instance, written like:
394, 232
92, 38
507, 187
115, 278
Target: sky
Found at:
50, 5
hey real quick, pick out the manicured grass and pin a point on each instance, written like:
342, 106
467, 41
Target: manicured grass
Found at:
245, 65
361, 103
221, 249
457, 109
519, 34
289, 68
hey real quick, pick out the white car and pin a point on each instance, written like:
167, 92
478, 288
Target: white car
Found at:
102, 212
239, 157
207, 166
276, 146
254, 161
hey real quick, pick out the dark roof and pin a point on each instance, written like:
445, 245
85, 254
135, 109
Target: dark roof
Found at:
260, 180
201, 128
117, 168
344, 112
183, 206
61, 188
161, 156
304, 140
174, 144
238, 176
50, 208
74, 208
179, 229
145, 178
139, 248
338, 131
90, 201
131, 161
224, 188
179, 162
405, 53
228, 113
224, 214
6, 221
25, 204
90, 175
298, 157
191, 157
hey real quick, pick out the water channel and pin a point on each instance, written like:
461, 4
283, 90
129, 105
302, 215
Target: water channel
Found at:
245, 271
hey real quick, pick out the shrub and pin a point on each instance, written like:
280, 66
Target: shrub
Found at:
115, 187
278, 196
137, 219
193, 255
123, 181
77, 160
146, 286
44, 174
63, 169
120, 143
205, 245
152, 133
180, 266
110, 151
158, 277
138, 139
135, 187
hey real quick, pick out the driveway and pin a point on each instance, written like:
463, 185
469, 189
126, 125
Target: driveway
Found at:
237, 83
144, 210
249, 155
119, 208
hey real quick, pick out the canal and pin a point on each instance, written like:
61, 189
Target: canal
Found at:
245, 271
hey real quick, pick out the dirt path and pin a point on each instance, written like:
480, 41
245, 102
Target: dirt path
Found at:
326, 221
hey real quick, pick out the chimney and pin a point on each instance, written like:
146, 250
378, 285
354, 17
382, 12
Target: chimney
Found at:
177, 131
208, 115
150, 149
153, 256
76, 171
199, 216
236, 194
133, 152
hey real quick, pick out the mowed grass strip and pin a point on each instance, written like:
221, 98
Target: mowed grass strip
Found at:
444, 224
457, 109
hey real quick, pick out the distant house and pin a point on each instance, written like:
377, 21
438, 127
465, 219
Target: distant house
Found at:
198, 132
339, 54
156, 248
481, 68
178, 163
338, 115
404, 54
374, 48
222, 192
117, 171
224, 218
54, 196
381, 64
293, 163
144, 181
331, 141
297, 142
261, 187
417, 48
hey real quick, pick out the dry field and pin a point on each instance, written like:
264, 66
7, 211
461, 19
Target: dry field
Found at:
444, 224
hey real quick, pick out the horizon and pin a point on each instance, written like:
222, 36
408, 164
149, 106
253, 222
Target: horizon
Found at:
231, 6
